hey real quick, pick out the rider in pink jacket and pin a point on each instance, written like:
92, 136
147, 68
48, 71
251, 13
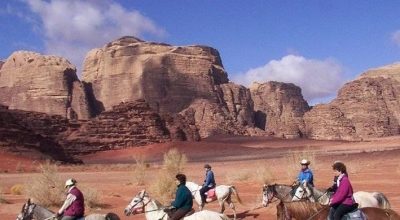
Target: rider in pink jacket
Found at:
342, 200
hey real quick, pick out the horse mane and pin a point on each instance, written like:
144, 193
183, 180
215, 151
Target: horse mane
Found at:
304, 208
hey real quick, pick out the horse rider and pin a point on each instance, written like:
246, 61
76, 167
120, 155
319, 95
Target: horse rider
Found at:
305, 174
333, 188
74, 205
341, 201
183, 203
208, 184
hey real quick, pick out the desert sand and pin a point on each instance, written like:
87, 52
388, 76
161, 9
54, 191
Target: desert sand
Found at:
373, 165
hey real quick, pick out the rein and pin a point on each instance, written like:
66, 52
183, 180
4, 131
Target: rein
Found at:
311, 217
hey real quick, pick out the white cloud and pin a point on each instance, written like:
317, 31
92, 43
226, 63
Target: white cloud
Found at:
317, 79
74, 27
396, 37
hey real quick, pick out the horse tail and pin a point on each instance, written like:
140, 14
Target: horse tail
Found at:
112, 216
383, 202
236, 193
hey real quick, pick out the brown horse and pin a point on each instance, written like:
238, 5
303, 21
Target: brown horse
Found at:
305, 210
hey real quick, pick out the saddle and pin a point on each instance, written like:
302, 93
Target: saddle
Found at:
211, 194
354, 214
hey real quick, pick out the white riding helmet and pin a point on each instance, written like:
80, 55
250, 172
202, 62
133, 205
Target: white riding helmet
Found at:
305, 162
70, 182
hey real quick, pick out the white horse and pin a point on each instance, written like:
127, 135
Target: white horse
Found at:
364, 199
153, 210
31, 210
222, 193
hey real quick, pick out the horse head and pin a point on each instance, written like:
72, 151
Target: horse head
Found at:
269, 193
138, 204
27, 211
304, 191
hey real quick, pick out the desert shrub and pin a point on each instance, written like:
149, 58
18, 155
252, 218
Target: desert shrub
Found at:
17, 189
46, 187
139, 170
20, 168
293, 162
174, 162
92, 197
2, 200
164, 186
263, 174
238, 176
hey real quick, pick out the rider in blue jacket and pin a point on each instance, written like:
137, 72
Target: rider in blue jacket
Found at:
305, 175
208, 184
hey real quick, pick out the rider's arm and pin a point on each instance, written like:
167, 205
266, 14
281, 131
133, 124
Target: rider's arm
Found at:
67, 203
207, 180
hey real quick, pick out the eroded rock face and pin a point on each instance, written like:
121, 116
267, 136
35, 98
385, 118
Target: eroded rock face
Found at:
34, 134
127, 124
212, 119
368, 107
33, 82
279, 109
168, 77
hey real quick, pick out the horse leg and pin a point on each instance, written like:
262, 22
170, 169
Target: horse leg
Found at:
229, 201
201, 206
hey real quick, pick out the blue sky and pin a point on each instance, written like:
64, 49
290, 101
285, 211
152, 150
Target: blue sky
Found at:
317, 45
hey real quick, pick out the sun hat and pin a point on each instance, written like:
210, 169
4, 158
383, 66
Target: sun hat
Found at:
304, 162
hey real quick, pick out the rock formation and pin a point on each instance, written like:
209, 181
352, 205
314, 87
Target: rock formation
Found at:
135, 93
367, 107
48, 84
279, 109
168, 77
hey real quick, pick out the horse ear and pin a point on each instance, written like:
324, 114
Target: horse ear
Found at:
29, 201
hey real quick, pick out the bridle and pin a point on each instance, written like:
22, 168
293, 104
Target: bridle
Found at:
271, 193
142, 208
27, 211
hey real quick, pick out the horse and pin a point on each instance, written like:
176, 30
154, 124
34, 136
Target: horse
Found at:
31, 210
306, 210
364, 199
222, 193
279, 191
153, 209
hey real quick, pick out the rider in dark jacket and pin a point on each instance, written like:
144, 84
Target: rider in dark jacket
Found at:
208, 184
183, 199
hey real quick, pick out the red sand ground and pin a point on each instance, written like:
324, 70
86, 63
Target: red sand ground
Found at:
372, 165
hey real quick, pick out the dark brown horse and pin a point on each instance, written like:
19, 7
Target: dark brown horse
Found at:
305, 210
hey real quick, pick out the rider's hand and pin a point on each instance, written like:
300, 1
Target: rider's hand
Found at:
57, 215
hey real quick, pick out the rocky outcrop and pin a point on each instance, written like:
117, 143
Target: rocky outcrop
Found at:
33, 134
48, 84
55, 137
127, 125
368, 107
279, 109
212, 119
168, 77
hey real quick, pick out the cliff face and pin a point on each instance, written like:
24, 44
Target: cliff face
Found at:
279, 109
135, 93
365, 108
49, 84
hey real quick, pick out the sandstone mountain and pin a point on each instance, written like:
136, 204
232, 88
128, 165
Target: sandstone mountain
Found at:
135, 92
49, 84
368, 107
